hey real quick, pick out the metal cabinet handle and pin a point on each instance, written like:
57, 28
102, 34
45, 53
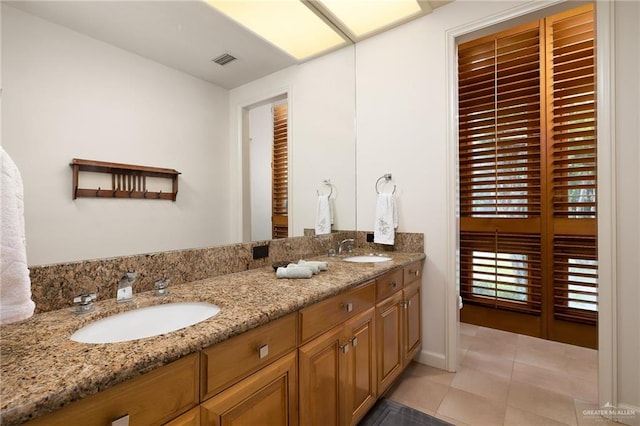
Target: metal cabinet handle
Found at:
122, 421
348, 306
354, 342
416, 272
393, 284
263, 351
344, 348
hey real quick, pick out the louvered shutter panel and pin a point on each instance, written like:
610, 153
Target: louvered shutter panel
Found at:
572, 124
501, 270
572, 134
500, 170
575, 277
280, 170
499, 125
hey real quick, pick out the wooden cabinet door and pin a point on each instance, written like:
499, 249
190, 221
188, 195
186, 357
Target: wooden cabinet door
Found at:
321, 366
389, 324
360, 390
268, 397
412, 321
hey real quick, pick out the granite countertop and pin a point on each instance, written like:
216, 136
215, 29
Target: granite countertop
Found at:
43, 370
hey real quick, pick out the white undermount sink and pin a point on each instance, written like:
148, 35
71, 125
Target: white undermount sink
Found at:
145, 322
369, 258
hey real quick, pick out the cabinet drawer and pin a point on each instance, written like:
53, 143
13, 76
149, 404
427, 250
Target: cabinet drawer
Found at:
413, 272
267, 397
151, 399
227, 362
324, 315
388, 284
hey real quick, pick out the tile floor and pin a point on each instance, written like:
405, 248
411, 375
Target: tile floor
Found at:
506, 379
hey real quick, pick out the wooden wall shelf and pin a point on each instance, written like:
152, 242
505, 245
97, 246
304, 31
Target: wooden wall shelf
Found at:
127, 180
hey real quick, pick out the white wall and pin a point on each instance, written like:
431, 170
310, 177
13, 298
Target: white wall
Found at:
260, 157
627, 68
69, 96
322, 136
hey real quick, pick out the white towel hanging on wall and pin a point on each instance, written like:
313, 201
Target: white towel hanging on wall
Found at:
15, 285
324, 215
386, 219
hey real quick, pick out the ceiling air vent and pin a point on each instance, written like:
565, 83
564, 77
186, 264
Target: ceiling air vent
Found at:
224, 59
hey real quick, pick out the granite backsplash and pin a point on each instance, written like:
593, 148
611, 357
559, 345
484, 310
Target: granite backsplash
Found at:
54, 286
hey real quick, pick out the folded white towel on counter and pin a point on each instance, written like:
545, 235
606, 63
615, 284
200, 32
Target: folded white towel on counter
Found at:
15, 285
323, 266
293, 272
386, 220
314, 268
324, 215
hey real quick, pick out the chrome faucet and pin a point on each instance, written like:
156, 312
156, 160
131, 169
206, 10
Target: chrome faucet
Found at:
84, 303
125, 287
161, 287
351, 241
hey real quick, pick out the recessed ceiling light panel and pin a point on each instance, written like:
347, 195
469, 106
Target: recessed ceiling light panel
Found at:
362, 17
288, 24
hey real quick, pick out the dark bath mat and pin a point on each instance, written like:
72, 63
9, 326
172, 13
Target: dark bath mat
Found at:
390, 413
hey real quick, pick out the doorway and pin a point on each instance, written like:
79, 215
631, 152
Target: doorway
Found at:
527, 178
266, 169
606, 239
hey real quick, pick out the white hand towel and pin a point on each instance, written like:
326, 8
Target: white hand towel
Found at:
386, 220
293, 273
323, 266
324, 215
314, 268
15, 285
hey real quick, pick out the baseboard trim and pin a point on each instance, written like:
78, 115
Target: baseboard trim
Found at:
432, 359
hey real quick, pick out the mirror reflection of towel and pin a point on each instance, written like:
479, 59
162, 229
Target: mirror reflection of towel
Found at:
324, 215
386, 220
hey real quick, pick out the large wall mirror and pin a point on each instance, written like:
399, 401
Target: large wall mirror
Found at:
91, 99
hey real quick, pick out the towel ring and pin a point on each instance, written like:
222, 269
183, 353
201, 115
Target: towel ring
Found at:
387, 178
328, 183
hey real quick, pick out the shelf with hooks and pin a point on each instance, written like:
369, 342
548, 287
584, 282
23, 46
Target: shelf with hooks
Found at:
127, 180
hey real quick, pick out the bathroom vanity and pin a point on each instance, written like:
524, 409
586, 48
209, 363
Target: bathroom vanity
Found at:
315, 351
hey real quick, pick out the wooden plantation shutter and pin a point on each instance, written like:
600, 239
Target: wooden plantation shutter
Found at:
499, 131
280, 171
527, 170
501, 270
499, 169
571, 134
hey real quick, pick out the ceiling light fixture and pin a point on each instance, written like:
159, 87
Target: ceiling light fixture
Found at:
288, 24
308, 28
367, 17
